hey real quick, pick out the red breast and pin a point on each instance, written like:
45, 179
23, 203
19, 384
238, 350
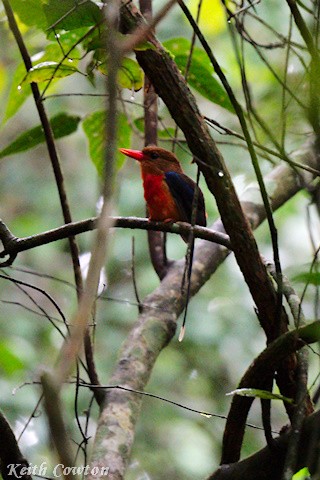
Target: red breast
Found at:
161, 204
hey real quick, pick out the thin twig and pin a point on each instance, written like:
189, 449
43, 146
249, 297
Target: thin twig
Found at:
133, 273
167, 400
281, 156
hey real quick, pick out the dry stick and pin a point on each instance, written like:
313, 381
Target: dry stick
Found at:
58, 431
166, 400
264, 60
21, 285
74, 249
265, 149
284, 101
114, 57
71, 347
252, 112
133, 274
65, 55
186, 278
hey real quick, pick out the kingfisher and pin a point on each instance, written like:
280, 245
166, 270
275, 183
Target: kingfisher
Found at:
168, 191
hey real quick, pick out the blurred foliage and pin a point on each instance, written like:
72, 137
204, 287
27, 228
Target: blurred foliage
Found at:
199, 71
61, 124
303, 474
94, 127
223, 335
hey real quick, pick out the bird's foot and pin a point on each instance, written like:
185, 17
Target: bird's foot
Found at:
169, 220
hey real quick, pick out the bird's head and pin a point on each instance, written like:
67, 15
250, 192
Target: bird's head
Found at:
154, 159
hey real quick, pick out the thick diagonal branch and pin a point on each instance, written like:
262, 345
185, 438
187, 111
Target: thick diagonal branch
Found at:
170, 86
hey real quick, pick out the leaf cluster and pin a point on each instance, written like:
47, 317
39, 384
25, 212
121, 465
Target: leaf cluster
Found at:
77, 32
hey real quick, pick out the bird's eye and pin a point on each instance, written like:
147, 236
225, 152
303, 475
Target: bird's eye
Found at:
154, 155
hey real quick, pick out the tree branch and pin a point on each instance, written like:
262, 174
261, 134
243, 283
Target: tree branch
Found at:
14, 245
10, 454
262, 369
268, 464
170, 85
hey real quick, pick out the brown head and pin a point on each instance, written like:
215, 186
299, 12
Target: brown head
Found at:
154, 159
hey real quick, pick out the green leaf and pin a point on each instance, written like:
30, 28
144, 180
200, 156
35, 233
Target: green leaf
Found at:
96, 40
64, 42
9, 361
264, 394
312, 278
201, 72
94, 128
311, 332
30, 12
71, 14
17, 95
145, 45
130, 75
47, 71
303, 474
61, 124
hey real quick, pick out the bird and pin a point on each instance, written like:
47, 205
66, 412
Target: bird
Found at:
168, 191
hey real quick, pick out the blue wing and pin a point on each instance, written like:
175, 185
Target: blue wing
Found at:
182, 189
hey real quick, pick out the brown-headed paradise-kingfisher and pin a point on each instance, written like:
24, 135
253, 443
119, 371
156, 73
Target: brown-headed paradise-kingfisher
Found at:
167, 190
